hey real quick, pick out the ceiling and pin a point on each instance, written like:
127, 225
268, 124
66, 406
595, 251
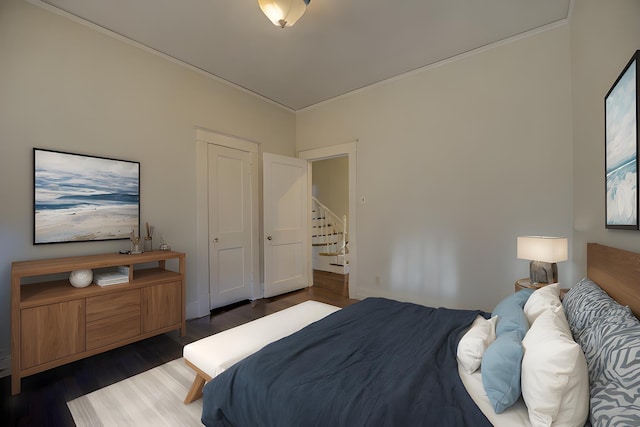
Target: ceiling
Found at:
338, 46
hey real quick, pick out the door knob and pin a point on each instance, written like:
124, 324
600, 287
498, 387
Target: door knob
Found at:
215, 240
269, 238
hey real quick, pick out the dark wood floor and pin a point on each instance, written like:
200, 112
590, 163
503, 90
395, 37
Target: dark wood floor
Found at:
44, 395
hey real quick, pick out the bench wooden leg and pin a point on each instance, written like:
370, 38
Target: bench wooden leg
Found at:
195, 392
199, 381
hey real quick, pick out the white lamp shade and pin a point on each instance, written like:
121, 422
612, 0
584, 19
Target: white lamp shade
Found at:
283, 12
545, 249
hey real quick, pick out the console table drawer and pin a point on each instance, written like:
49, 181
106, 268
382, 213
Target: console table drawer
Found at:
113, 305
112, 329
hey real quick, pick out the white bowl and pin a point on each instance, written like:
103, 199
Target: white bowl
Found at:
81, 278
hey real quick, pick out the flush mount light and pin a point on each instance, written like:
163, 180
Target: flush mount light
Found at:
283, 13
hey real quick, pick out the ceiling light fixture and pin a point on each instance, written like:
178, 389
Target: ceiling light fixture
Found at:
283, 13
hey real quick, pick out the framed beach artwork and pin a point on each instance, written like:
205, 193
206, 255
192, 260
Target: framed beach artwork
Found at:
621, 149
80, 198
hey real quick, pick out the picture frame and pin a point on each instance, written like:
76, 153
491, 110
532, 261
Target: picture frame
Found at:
81, 198
621, 149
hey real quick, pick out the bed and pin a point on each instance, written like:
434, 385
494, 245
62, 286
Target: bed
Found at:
533, 361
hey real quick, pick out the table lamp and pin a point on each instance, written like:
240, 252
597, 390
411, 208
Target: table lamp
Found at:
543, 254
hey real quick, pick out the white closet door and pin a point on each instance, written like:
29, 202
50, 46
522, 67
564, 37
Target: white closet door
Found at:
230, 225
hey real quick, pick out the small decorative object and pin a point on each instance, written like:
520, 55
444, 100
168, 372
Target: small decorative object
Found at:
163, 245
81, 278
148, 239
148, 244
135, 243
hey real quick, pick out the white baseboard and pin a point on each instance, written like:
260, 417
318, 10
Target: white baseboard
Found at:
193, 311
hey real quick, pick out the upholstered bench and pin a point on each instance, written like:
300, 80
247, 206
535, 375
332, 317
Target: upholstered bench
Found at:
212, 355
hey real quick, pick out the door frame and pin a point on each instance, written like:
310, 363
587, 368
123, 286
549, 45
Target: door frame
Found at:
350, 150
204, 137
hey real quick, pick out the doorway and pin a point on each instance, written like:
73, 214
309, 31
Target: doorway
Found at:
346, 151
329, 228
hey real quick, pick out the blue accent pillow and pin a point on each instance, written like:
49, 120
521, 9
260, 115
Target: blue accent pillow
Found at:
501, 366
511, 315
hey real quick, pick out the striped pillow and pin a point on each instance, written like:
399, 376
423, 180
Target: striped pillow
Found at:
585, 303
612, 350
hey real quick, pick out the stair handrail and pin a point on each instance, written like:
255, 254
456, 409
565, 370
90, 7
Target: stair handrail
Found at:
336, 219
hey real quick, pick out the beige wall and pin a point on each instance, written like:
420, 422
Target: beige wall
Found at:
457, 160
68, 87
604, 35
454, 163
331, 184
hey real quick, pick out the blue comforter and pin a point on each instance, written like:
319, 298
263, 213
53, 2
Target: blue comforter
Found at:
376, 363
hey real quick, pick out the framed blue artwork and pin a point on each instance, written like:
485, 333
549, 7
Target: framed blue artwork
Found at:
80, 198
621, 149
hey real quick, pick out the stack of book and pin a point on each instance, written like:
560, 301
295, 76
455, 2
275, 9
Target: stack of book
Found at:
111, 275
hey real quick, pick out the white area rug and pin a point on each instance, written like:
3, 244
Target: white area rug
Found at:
152, 398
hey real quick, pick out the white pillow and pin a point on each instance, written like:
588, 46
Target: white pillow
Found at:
542, 299
473, 343
555, 380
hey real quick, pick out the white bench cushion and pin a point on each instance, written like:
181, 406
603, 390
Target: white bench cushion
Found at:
214, 354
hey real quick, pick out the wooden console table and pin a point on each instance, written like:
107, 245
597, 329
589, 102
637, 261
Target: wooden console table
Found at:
53, 323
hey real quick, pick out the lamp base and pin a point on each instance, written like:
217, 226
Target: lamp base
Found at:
543, 272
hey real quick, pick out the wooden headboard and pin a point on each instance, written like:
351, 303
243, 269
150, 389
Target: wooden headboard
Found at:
617, 272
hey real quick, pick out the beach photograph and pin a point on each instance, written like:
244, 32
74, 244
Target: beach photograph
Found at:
621, 151
84, 198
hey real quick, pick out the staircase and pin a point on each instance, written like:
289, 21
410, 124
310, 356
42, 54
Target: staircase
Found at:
329, 240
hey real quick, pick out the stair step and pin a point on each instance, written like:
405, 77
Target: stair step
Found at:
342, 251
331, 242
330, 238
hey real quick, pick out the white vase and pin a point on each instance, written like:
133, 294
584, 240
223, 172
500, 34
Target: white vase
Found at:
81, 278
